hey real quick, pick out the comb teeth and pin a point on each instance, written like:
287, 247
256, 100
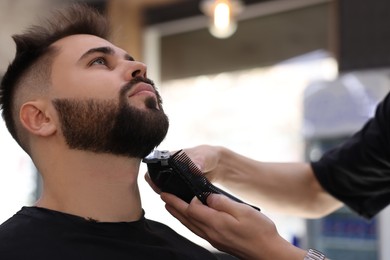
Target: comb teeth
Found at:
192, 175
195, 178
185, 162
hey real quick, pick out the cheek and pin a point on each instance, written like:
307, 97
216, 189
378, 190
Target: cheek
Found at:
83, 85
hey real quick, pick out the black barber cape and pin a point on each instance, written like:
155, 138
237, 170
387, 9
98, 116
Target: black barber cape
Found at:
38, 233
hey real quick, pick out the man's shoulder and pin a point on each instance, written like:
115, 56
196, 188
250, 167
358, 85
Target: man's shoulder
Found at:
16, 236
23, 225
18, 222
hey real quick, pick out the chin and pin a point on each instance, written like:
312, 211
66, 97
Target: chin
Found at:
152, 103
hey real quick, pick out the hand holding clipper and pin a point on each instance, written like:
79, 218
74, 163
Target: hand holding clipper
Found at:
178, 175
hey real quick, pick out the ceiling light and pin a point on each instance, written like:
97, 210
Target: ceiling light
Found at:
222, 15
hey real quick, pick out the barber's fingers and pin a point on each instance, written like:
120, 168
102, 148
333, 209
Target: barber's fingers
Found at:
231, 207
183, 207
179, 209
217, 204
197, 214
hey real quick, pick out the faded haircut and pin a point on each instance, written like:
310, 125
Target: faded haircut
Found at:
30, 70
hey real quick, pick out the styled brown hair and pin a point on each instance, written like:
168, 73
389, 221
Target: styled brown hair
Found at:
31, 68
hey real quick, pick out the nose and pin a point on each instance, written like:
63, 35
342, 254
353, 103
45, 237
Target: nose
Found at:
135, 69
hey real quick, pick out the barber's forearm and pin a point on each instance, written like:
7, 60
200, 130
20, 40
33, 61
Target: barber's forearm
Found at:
283, 187
267, 183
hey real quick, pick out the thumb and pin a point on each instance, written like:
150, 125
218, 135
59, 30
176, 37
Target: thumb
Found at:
222, 203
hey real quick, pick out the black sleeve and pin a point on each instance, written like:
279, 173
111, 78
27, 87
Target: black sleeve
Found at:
358, 171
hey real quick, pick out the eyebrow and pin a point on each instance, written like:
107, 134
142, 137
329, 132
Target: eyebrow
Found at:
104, 50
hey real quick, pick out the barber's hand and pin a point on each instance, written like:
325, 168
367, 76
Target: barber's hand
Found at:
231, 227
206, 158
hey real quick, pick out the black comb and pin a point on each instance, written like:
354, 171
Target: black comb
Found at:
177, 174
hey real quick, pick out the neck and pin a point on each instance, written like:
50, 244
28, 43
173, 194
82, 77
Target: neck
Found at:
101, 187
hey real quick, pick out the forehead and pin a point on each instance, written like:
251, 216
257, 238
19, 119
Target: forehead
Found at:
75, 46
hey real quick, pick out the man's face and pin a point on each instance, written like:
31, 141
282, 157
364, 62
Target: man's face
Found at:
104, 101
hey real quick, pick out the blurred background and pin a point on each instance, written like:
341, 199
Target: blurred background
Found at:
285, 80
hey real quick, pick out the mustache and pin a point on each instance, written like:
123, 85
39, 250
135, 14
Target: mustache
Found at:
135, 81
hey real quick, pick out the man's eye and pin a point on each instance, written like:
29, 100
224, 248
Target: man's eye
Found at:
99, 61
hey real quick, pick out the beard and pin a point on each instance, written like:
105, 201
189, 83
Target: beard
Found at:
109, 126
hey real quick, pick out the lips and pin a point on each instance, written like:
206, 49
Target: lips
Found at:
142, 88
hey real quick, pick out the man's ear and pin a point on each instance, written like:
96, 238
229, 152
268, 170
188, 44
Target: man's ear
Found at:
37, 119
